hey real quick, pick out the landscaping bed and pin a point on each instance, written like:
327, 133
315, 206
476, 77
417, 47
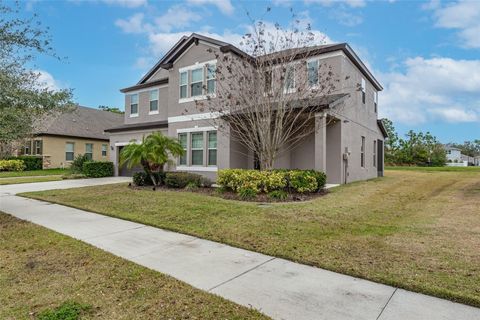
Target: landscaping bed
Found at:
45, 275
411, 229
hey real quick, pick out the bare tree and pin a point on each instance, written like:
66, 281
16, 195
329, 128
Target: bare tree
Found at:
268, 95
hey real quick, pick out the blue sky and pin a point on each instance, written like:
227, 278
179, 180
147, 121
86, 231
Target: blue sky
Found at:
426, 54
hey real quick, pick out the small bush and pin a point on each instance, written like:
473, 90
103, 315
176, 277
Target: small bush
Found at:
12, 165
302, 181
143, 179
278, 195
31, 162
182, 179
77, 163
247, 193
191, 186
98, 169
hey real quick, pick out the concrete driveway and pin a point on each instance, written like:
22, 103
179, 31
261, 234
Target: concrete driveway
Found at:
279, 288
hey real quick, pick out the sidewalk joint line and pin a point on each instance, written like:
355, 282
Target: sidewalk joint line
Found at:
241, 274
386, 304
109, 234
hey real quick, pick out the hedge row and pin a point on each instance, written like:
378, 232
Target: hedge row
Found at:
177, 180
31, 162
248, 183
98, 169
12, 165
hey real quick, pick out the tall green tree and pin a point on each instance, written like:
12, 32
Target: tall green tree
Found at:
23, 96
152, 153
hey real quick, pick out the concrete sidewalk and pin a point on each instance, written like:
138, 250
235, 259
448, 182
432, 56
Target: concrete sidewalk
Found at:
277, 287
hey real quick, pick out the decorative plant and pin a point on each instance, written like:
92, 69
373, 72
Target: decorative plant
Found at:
152, 154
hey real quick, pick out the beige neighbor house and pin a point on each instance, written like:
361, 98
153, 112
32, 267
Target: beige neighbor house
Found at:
59, 139
349, 148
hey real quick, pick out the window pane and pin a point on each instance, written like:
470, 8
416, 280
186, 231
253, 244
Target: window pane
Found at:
183, 91
69, 156
212, 157
312, 67
197, 140
69, 147
134, 98
134, 109
212, 140
88, 156
183, 78
183, 160
289, 78
104, 150
89, 147
197, 157
211, 70
154, 95
211, 86
268, 81
197, 75
154, 105
196, 89
183, 140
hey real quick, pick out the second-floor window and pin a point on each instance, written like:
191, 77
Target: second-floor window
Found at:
289, 83
375, 101
211, 76
154, 101
89, 151
183, 84
196, 87
362, 153
364, 89
312, 70
268, 81
134, 104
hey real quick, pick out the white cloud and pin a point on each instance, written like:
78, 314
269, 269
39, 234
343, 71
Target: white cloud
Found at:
463, 16
346, 18
46, 80
176, 17
224, 6
134, 24
126, 3
437, 88
350, 3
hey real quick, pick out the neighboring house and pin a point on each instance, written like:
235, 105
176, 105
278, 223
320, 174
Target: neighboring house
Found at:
59, 138
456, 158
350, 148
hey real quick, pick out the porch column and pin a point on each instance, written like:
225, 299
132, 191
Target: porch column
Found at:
320, 142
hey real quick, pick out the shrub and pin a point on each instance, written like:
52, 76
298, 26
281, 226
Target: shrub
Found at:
302, 181
12, 165
77, 163
278, 195
31, 162
66, 311
247, 193
182, 179
143, 179
191, 186
98, 169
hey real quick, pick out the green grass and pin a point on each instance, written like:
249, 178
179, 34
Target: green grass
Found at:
436, 169
45, 275
16, 180
412, 229
46, 172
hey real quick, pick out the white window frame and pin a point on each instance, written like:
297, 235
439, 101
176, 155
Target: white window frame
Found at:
362, 153
72, 152
183, 85
188, 69
104, 150
214, 78
208, 148
375, 101
184, 149
91, 153
191, 83
317, 62
150, 111
285, 88
37, 144
364, 89
202, 133
134, 115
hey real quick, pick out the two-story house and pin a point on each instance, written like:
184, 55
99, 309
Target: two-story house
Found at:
349, 148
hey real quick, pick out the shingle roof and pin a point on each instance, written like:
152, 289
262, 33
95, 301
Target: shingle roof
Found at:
81, 122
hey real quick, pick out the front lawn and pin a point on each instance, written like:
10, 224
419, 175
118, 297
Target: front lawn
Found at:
42, 271
46, 172
412, 229
444, 169
16, 180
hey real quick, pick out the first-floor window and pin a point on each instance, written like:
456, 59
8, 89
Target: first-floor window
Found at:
374, 153
89, 150
182, 138
27, 147
212, 148
69, 151
362, 153
197, 148
38, 146
104, 150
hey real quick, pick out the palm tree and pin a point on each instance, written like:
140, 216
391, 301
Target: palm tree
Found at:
152, 154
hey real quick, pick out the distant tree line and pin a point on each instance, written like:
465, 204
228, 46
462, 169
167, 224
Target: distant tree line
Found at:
417, 149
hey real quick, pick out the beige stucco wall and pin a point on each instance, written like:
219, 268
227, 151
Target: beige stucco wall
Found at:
54, 148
